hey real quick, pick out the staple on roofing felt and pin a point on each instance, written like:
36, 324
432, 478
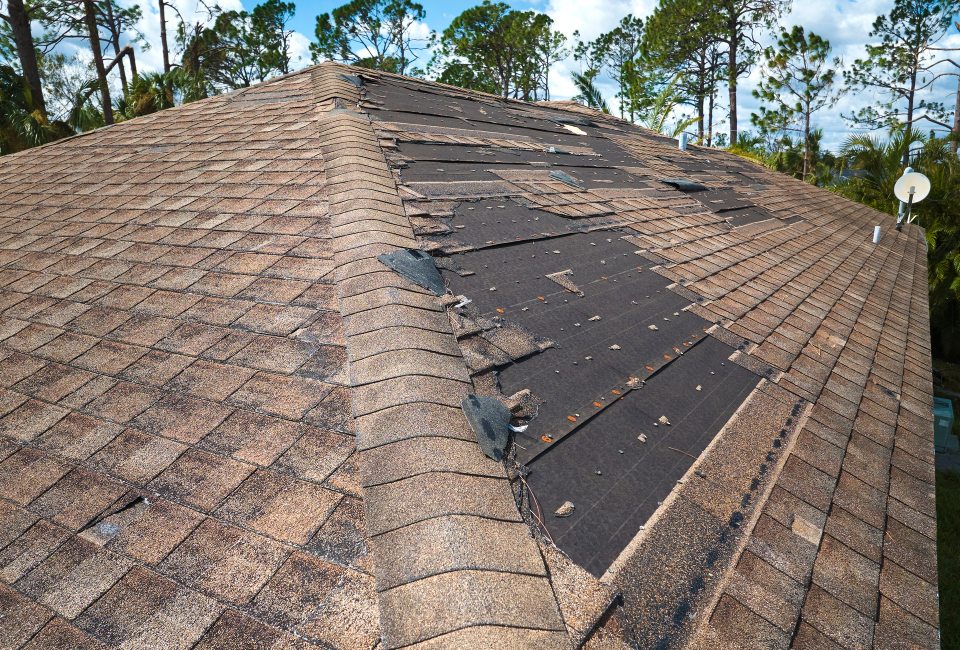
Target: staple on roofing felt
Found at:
683, 184
490, 420
416, 267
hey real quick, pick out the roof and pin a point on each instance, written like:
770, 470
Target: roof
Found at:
227, 423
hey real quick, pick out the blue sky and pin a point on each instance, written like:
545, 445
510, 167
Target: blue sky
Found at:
845, 23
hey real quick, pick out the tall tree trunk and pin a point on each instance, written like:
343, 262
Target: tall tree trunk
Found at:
163, 39
91, 19
710, 120
956, 111
910, 98
956, 118
22, 36
115, 41
133, 63
700, 115
732, 76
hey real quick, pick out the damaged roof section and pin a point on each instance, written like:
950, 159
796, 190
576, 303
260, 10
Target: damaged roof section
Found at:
203, 364
747, 264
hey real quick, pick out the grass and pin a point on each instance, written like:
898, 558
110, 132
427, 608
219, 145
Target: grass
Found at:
948, 557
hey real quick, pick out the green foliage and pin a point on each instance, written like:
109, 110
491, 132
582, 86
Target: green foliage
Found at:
589, 93
83, 115
655, 116
791, 154
237, 50
682, 39
948, 556
901, 65
798, 80
616, 53
508, 52
22, 124
373, 34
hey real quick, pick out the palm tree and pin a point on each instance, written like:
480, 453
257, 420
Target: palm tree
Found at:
150, 93
661, 107
589, 93
23, 124
789, 159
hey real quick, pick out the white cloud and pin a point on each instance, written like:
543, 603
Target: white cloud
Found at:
299, 51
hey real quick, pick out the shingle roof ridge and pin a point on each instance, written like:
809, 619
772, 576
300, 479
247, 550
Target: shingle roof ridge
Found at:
452, 555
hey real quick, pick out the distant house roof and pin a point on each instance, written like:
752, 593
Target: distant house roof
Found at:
229, 422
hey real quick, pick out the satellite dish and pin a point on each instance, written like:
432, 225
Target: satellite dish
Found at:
916, 180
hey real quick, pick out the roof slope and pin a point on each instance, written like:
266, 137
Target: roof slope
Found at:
226, 424
179, 460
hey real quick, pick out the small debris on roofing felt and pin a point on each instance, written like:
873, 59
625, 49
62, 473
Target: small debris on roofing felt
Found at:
614, 347
642, 437
490, 420
663, 419
565, 510
415, 266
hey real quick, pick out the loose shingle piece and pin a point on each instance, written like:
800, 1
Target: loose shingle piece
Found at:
239, 406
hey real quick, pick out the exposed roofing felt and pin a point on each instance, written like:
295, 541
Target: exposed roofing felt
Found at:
226, 423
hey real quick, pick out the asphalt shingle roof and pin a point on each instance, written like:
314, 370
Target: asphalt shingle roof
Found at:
224, 423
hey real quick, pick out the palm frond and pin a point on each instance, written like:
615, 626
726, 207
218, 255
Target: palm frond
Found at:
590, 93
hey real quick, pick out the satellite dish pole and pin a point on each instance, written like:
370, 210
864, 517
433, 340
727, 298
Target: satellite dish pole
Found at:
911, 188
